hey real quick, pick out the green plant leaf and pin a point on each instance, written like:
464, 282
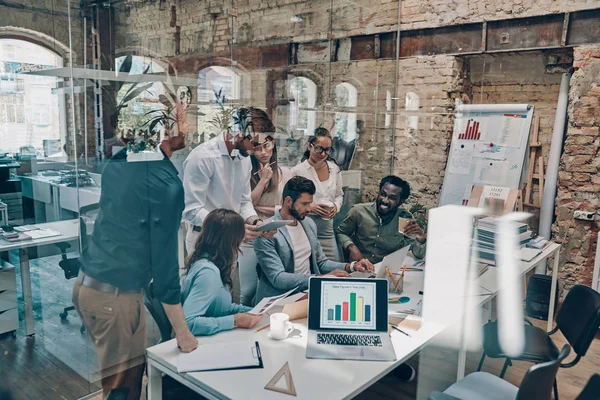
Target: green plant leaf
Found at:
135, 93
165, 101
154, 123
127, 63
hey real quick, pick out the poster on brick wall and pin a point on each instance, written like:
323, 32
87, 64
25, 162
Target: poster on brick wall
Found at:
489, 147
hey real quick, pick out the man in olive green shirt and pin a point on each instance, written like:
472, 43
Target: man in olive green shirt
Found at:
370, 230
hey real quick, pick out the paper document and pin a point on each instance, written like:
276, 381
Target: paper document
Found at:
268, 302
42, 233
528, 254
490, 172
220, 356
26, 228
460, 158
507, 130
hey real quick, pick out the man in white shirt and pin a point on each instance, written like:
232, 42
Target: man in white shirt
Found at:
216, 174
290, 257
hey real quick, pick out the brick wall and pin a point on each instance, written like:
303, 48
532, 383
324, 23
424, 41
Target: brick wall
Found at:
173, 27
578, 180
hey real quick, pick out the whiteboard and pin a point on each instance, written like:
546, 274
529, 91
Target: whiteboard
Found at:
488, 147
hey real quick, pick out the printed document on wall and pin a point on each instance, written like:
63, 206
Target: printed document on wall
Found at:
490, 172
506, 130
460, 159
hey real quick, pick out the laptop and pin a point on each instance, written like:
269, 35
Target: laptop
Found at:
393, 262
348, 319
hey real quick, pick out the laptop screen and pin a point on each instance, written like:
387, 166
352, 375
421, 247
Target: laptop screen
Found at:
348, 305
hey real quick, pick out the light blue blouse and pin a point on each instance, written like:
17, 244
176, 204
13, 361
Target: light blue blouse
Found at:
207, 301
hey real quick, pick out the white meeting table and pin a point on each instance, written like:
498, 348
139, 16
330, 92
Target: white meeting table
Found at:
313, 379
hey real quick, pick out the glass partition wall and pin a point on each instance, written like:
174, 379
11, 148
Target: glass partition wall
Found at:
383, 78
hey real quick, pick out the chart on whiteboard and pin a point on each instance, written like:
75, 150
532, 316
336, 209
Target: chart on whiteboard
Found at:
488, 148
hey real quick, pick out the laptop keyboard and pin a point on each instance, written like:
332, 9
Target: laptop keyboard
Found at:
349, 340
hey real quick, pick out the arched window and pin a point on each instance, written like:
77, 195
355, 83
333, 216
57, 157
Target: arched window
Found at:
30, 112
412, 104
303, 101
212, 81
346, 96
133, 116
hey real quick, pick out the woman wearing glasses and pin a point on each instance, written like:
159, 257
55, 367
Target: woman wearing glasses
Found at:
327, 201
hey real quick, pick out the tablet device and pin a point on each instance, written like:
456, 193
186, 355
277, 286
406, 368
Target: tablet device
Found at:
272, 225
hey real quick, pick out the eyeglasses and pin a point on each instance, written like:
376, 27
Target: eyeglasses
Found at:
320, 149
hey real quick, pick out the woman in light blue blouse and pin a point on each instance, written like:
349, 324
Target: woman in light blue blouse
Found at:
206, 288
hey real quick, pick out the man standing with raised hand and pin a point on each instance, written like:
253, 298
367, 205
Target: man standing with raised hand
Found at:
134, 242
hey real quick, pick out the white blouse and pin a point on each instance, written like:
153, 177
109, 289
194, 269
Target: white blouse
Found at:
329, 190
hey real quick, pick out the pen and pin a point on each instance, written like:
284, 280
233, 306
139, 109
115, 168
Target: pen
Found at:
400, 330
263, 328
261, 169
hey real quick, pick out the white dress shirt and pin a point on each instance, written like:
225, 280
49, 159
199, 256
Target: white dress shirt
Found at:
329, 190
212, 179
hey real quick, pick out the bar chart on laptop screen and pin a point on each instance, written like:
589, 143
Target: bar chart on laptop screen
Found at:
348, 305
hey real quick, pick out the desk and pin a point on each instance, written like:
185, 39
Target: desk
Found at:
334, 379
69, 230
314, 379
489, 279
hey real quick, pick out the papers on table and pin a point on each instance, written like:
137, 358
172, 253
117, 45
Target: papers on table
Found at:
36, 233
214, 357
268, 302
528, 254
42, 233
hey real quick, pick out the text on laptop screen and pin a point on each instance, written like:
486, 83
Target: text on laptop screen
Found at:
348, 305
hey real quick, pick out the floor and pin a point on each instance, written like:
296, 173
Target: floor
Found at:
59, 362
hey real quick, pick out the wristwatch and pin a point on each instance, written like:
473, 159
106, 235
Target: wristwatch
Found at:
256, 221
352, 266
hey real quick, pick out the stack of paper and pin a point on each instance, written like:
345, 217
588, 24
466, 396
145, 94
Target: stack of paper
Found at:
486, 238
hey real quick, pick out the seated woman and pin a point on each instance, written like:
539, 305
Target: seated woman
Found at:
206, 288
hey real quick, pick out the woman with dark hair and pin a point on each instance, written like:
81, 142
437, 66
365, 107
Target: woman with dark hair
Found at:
206, 288
323, 171
266, 181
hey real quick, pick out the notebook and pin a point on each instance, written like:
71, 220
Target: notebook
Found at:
221, 356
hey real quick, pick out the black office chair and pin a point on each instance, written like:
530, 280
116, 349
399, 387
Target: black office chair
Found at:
158, 313
536, 384
591, 391
578, 319
70, 266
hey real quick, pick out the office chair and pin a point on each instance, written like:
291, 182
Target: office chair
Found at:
578, 320
536, 384
70, 266
158, 313
591, 391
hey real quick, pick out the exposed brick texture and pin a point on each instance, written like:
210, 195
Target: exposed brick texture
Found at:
578, 181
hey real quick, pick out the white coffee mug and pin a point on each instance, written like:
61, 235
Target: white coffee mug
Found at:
281, 326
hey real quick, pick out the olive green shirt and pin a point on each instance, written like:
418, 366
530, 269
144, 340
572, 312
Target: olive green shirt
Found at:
375, 240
